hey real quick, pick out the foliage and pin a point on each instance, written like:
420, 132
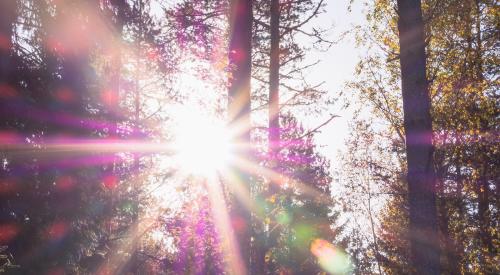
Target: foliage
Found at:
302, 211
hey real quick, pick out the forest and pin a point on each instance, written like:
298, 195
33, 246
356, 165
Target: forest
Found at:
206, 137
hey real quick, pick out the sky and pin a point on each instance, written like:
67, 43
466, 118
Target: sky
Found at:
336, 68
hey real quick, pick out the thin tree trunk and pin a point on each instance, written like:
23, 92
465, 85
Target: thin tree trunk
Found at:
374, 235
7, 17
239, 54
274, 126
479, 42
459, 204
112, 97
424, 239
482, 187
136, 168
274, 68
134, 260
482, 191
449, 255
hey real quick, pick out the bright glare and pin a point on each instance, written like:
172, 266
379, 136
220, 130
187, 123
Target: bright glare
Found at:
202, 144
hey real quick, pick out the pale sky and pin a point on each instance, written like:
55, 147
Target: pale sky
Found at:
336, 68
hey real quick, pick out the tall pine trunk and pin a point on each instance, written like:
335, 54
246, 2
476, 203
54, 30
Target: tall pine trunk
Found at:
423, 230
7, 17
274, 68
274, 114
239, 54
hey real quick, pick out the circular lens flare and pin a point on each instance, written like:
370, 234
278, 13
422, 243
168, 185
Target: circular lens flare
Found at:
330, 258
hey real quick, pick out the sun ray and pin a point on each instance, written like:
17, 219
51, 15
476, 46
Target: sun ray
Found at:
222, 221
277, 178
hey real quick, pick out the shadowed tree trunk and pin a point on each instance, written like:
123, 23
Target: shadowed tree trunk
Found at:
7, 17
423, 231
239, 54
274, 111
459, 204
449, 264
274, 69
482, 191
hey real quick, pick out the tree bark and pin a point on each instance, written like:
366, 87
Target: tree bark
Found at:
7, 17
274, 68
423, 231
459, 205
449, 265
239, 54
273, 127
483, 203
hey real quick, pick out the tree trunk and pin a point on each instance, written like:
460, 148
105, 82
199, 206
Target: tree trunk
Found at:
239, 54
459, 206
274, 127
135, 242
7, 91
7, 17
449, 265
486, 246
423, 231
274, 68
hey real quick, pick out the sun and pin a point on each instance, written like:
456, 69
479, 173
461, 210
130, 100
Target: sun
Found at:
202, 143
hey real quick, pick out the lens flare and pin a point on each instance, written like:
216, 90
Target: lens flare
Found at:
330, 258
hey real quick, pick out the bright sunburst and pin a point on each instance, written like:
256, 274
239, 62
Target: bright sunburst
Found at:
202, 143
